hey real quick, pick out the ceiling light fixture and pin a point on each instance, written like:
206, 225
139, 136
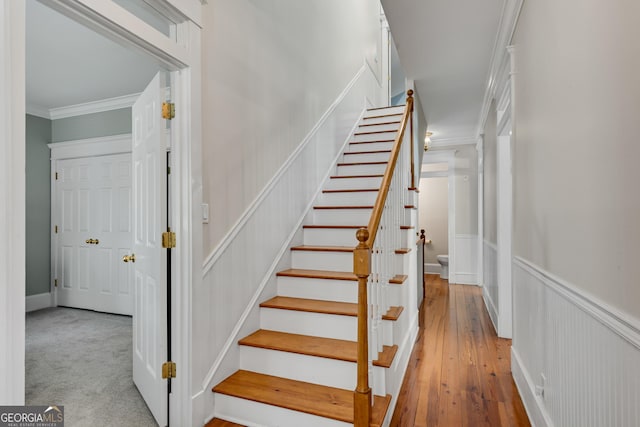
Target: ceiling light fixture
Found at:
427, 140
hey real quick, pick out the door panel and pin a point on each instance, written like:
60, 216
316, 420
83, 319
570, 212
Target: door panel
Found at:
149, 195
94, 202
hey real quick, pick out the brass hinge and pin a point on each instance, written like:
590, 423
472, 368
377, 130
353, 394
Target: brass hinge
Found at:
55, 229
168, 110
168, 239
55, 283
168, 370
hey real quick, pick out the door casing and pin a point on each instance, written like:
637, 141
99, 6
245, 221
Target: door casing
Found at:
183, 58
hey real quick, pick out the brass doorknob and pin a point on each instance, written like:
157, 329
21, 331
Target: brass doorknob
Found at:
128, 258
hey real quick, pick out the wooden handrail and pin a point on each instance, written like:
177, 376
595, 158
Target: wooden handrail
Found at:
362, 405
376, 215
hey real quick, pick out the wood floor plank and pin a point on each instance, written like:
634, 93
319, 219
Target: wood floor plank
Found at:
459, 372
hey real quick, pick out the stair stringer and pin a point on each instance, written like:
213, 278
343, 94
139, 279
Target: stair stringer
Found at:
228, 360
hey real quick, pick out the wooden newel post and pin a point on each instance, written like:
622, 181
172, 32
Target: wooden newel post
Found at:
362, 269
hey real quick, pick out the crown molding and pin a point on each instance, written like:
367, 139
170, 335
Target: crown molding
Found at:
103, 105
36, 110
499, 57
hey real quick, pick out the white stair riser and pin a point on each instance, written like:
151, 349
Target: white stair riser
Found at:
255, 414
322, 289
353, 183
354, 170
353, 198
384, 119
370, 146
330, 237
366, 157
362, 136
341, 216
384, 111
307, 323
311, 369
378, 127
320, 260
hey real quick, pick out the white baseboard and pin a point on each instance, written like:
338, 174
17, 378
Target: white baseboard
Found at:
432, 268
532, 403
467, 279
38, 302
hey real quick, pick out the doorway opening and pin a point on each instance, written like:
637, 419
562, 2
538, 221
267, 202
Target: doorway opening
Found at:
100, 200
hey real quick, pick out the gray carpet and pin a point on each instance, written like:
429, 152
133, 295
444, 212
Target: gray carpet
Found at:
83, 360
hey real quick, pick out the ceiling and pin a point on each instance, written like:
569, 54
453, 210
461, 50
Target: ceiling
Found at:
68, 64
446, 48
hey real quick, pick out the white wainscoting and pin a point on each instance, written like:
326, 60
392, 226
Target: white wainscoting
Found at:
239, 273
38, 302
432, 268
466, 260
575, 360
490, 280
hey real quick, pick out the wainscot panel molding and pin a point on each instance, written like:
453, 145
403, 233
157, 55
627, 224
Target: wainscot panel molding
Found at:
490, 280
575, 358
38, 301
466, 256
264, 233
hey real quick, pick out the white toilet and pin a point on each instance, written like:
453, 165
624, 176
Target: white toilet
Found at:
444, 266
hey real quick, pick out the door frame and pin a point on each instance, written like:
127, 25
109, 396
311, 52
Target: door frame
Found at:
80, 148
183, 60
448, 157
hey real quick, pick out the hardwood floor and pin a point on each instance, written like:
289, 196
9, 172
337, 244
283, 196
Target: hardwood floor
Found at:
459, 373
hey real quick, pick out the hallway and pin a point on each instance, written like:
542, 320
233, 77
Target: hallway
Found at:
459, 372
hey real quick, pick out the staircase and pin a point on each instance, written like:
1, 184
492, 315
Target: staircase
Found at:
300, 368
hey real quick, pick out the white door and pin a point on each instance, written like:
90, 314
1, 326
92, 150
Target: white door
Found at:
93, 211
150, 266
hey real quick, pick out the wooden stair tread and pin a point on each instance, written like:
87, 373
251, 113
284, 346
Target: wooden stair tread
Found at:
329, 348
351, 153
398, 279
406, 227
396, 122
356, 176
354, 227
359, 190
310, 248
375, 132
217, 422
318, 274
373, 141
343, 207
385, 108
381, 116
363, 163
328, 402
325, 307
403, 251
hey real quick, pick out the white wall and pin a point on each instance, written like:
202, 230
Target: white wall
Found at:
271, 69
576, 209
284, 84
